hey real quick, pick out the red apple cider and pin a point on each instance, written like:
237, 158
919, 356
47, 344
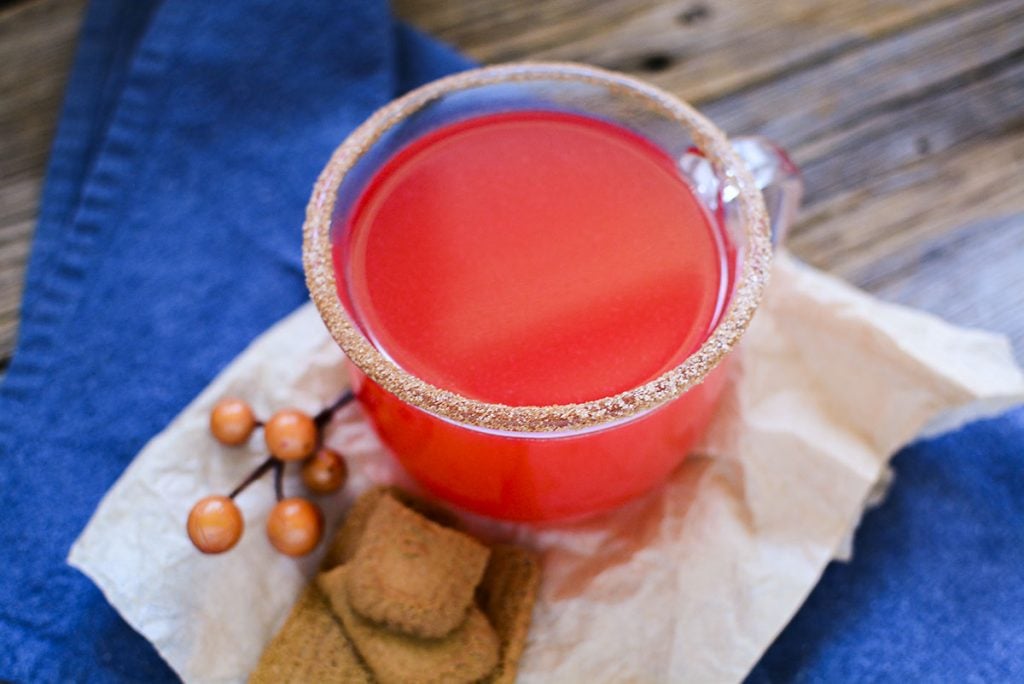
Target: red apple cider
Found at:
534, 258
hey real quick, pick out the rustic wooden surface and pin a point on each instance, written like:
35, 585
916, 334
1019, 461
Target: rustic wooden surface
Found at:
36, 44
907, 119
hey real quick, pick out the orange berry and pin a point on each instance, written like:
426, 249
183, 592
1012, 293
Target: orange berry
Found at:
215, 524
232, 421
295, 526
325, 471
291, 435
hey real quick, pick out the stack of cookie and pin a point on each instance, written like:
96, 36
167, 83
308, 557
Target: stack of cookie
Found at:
404, 597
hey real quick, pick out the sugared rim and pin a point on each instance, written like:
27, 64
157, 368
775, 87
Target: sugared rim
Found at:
752, 277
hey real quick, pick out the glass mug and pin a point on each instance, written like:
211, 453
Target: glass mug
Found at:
552, 461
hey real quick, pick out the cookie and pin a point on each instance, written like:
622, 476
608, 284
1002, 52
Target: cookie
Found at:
343, 547
442, 516
468, 654
310, 647
506, 595
411, 574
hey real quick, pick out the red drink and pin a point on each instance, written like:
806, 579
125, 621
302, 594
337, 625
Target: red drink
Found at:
535, 303
534, 258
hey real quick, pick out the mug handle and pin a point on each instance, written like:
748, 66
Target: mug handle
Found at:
778, 179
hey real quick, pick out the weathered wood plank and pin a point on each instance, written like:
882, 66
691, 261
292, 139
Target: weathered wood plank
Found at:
929, 59
36, 43
902, 143
37, 40
972, 111
959, 277
699, 49
900, 236
852, 232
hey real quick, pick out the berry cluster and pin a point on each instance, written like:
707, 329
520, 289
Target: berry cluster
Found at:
295, 524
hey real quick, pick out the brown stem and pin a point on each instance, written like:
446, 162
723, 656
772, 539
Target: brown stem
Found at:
279, 479
253, 476
324, 416
321, 420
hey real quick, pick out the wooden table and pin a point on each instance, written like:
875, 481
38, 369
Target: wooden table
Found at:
906, 116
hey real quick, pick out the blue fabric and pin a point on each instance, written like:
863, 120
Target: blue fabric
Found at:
935, 591
169, 238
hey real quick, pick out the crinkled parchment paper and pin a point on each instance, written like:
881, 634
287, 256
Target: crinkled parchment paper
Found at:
691, 583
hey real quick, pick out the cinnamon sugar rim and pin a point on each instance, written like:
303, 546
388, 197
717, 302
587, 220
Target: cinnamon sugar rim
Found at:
751, 279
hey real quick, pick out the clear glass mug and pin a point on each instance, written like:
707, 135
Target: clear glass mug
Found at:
550, 462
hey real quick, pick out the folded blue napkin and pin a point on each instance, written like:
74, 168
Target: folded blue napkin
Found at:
168, 238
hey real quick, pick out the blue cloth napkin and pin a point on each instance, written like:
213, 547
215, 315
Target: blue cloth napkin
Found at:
168, 238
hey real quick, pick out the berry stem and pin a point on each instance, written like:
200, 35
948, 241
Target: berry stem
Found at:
321, 420
253, 476
324, 416
278, 479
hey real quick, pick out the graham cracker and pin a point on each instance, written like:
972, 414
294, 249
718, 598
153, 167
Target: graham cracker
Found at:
506, 595
311, 646
468, 654
411, 574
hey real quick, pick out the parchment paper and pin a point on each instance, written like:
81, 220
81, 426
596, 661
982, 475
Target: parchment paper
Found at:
690, 584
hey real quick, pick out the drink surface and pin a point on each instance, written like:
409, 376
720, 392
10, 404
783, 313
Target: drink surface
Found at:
532, 258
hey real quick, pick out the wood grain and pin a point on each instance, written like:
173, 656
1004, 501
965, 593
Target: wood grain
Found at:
37, 41
907, 119
699, 49
930, 274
